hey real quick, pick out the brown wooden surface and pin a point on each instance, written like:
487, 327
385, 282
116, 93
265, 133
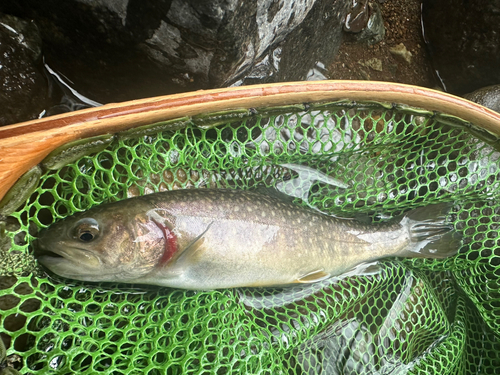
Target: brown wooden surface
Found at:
26, 144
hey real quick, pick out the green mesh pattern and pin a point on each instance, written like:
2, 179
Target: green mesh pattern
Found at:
417, 316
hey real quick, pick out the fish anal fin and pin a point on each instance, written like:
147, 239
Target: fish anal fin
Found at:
362, 269
366, 268
313, 277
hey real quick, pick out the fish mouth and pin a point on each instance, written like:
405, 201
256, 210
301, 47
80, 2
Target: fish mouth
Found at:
68, 261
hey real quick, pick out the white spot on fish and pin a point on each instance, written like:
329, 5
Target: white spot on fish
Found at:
236, 208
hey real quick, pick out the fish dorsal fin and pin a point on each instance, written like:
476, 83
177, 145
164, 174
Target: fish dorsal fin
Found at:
313, 277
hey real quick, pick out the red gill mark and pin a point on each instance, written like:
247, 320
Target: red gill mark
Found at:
170, 243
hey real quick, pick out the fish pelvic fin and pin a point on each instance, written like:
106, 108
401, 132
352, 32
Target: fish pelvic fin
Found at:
431, 235
313, 277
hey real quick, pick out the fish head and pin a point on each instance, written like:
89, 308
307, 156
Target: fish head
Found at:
108, 244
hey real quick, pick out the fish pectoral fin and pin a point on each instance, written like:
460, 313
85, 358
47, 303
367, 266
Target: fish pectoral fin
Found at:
189, 252
313, 277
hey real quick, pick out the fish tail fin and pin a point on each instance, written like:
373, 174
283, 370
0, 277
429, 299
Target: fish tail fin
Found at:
431, 235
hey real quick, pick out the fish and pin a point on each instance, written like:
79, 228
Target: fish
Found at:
206, 239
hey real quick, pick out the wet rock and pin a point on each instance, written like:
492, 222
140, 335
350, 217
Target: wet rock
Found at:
357, 18
365, 22
401, 51
64, 97
311, 46
463, 38
488, 97
24, 87
95, 45
119, 50
374, 32
317, 73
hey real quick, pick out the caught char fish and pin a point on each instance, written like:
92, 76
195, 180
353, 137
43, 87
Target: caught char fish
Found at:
212, 238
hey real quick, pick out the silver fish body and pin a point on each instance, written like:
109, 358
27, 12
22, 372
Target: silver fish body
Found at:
209, 239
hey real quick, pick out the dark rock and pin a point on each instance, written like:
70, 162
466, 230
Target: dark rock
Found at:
64, 97
374, 31
24, 86
365, 22
463, 38
488, 97
115, 50
94, 44
357, 18
307, 49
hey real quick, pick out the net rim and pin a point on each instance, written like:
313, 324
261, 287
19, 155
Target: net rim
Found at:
46, 134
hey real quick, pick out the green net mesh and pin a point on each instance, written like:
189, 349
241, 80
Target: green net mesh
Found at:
417, 316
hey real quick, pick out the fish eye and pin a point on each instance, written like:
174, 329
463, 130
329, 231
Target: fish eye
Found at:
86, 236
86, 230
